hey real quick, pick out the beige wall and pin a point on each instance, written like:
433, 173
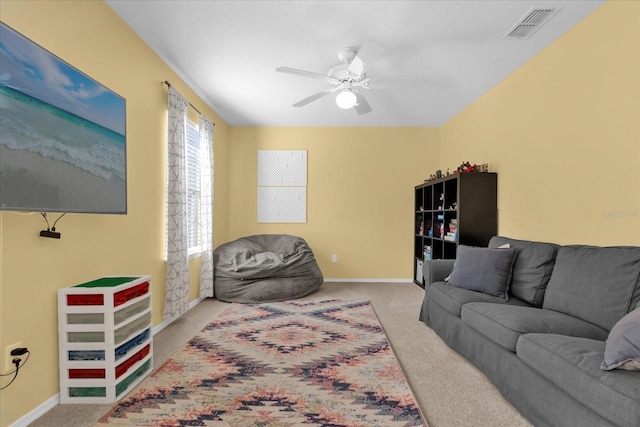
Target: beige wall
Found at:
359, 193
92, 38
563, 133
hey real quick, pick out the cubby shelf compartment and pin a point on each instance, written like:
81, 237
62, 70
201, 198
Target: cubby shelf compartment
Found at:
104, 329
453, 210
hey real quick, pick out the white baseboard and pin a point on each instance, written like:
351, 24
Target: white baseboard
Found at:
160, 326
38, 412
370, 280
55, 400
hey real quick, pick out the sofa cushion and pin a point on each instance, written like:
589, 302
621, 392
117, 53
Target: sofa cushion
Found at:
573, 365
486, 270
596, 284
622, 349
531, 269
452, 299
504, 324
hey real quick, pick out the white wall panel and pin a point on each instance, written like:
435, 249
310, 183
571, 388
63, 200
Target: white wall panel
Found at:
282, 181
281, 168
282, 204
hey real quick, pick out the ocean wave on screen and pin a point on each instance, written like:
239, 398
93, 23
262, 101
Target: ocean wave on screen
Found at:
99, 158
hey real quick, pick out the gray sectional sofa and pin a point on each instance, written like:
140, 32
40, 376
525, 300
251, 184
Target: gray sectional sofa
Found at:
542, 334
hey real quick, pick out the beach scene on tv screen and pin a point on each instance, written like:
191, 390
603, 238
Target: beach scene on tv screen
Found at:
62, 134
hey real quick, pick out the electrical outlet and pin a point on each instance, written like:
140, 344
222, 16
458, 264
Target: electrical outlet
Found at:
334, 258
8, 358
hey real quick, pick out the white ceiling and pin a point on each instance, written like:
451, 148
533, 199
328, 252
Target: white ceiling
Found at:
439, 56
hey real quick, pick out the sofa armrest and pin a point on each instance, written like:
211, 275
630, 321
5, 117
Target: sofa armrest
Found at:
436, 270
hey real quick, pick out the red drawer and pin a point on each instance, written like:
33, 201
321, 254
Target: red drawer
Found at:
87, 373
121, 297
124, 366
85, 299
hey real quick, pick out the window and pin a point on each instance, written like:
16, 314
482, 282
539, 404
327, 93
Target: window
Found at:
193, 161
193, 187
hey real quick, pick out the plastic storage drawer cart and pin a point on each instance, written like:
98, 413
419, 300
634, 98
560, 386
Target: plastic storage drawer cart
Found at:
106, 345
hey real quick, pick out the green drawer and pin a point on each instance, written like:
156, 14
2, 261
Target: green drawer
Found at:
122, 385
87, 391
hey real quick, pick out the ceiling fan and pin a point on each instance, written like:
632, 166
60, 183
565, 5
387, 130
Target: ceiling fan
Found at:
347, 78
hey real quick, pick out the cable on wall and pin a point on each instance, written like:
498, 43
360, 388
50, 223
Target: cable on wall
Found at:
50, 231
18, 363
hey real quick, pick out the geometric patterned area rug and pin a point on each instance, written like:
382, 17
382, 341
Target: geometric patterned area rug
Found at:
321, 363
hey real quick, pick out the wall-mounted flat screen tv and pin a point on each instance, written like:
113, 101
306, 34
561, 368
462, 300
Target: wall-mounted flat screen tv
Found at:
62, 134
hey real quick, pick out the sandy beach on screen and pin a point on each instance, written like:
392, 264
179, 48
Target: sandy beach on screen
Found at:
29, 179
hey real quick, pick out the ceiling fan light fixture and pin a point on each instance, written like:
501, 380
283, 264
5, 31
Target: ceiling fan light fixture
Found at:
346, 99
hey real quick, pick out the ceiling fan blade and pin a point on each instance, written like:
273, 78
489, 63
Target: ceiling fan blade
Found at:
362, 106
314, 97
311, 74
368, 53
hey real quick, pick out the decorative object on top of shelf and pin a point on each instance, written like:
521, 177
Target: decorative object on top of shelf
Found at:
468, 167
465, 167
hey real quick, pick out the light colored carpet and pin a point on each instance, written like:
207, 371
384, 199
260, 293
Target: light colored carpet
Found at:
449, 390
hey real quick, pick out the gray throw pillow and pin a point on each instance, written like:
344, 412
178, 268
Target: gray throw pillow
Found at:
622, 350
485, 270
531, 269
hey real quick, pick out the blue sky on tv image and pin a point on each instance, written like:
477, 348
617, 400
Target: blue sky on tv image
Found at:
32, 70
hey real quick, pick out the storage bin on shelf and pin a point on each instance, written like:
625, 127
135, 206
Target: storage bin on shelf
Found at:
106, 346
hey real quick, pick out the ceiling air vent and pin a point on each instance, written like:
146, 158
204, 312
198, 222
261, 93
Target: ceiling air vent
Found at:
530, 22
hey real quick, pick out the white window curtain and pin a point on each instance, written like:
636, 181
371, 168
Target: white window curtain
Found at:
177, 294
206, 207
